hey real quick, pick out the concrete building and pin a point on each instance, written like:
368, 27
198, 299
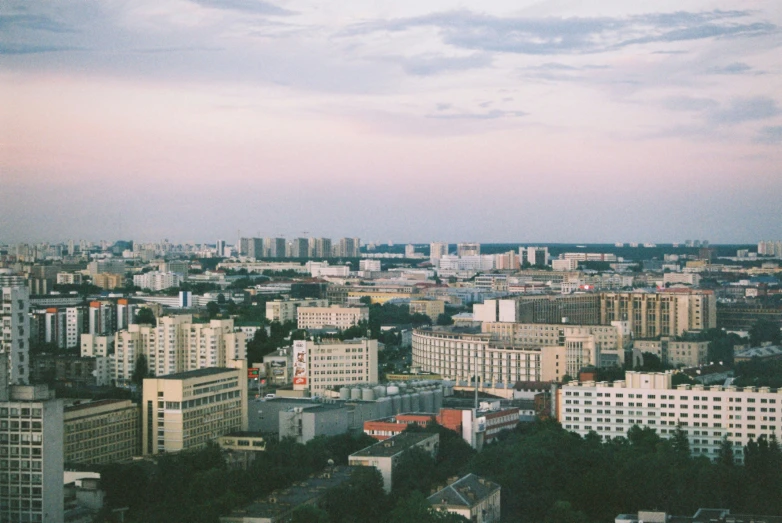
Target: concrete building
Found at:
707, 414
335, 316
100, 432
674, 352
318, 366
31, 455
568, 264
468, 249
15, 330
92, 345
186, 410
667, 313
101, 316
385, 428
474, 498
157, 281
285, 310
431, 308
347, 248
384, 455
305, 423
69, 278
437, 250
687, 278
108, 280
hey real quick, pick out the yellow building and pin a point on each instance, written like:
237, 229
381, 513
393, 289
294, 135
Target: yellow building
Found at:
432, 308
186, 410
105, 431
106, 280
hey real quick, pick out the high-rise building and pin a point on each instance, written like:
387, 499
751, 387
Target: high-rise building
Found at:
31, 455
15, 328
347, 248
437, 250
468, 249
320, 247
186, 410
274, 247
409, 250
220, 248
333, 363
300, 248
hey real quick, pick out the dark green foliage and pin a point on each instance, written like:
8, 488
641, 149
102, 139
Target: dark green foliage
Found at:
759, 373
145, 316
309, 514
764, 330
140, 371
444, 319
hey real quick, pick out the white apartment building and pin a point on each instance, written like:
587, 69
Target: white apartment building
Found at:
177, 345
335, 316
437, 250
568, 264
96, 346
157, 281
31, 455
369, 265
465, 263
333, 363
323, 269
186, 410
687, 278
707, 414
68, 278
285, 310
15, 331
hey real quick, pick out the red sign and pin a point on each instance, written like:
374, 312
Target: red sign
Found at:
253, 373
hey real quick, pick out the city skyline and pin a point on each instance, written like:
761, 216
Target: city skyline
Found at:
410, 122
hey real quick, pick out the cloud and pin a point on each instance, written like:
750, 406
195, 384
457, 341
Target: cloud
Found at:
771, 135
247, 6
425, 65
13, 48
734, 68
37, 22
689, 103
545, 36
741, 110
488, 115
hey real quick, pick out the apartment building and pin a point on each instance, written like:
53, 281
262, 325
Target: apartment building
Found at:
706, 414
431, 308
186, 410
468, 249
15, 330
335, 316
437, 250
157, 281
177, 345
108, 280
100, 432
285, 310
31, 455
384, 455
333, 363
667, 313
676, 353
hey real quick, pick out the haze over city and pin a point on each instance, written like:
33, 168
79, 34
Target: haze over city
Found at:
407, 121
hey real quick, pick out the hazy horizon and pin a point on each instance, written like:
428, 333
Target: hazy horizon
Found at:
411, 121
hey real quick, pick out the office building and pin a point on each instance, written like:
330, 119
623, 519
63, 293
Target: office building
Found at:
300, 248
100, 432
220, 248
15, 329
536, 256
108, 280
335, 316
69, 278
31, 455
431, 308
384, 455
320, 247
286, 310
666, 313
333, 363
468, 249
474, 498
369, 265
186, 410
706, 414
675, 352
274, 247
347, 248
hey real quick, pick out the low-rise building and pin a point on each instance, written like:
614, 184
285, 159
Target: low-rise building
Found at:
335, 316
676, 352
240, 448
285, 310
105, 431
186, 410
306, 423
472, 497
384, 455
431, 308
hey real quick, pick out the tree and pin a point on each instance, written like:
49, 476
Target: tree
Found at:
213, 309
763, 331
309, 514
444, 319
145, 316
140, 371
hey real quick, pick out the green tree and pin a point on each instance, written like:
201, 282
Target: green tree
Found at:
145, 316
213, 309
309, 514
763, 331
444, 319
140, 371
563, 512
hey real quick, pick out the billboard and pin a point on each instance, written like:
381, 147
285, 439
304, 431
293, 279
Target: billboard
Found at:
253, 373
300, 362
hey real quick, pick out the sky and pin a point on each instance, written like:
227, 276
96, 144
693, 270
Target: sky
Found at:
405, 121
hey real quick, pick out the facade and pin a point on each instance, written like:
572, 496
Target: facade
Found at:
285, 310
437, 250
31, 455
100, 318
384, 455
108, 280
472, 497
676, 353
468, 249
306, 423
186, 410
157, 281
335, 316
431, 308
385, 428
668, 313
100, 432
177, 345
333, 363
705, 413
15, 330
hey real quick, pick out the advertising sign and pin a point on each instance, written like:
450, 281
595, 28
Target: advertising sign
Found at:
299, 362
253, 373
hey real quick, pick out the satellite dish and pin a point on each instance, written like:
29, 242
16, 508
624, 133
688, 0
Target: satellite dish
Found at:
330, 462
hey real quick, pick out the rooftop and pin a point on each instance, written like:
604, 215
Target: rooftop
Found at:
198, 373
395, 445
465, 492
93, 404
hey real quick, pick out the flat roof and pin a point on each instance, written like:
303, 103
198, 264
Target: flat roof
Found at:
394, 445
91, 404
198, 373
